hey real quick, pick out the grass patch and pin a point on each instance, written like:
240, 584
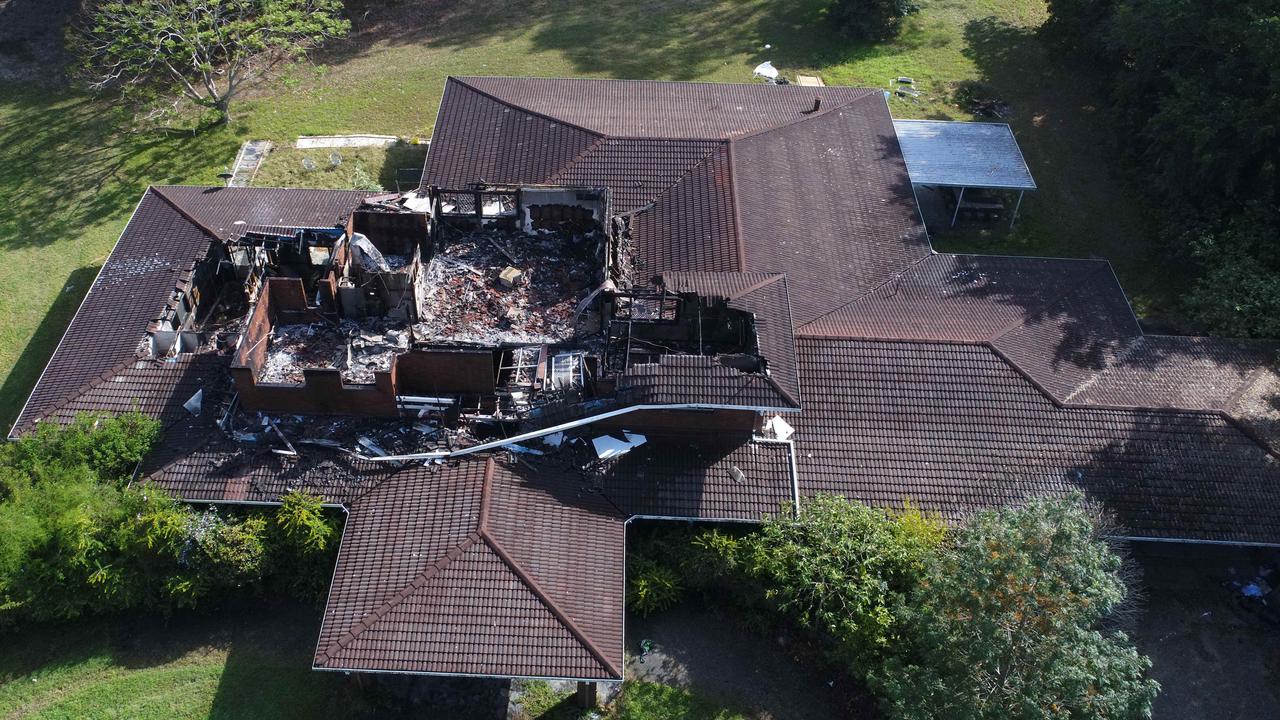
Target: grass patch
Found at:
285, 166
250, 663
652, 701
74, 170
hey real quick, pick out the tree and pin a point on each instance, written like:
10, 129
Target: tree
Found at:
1006, 624
841, 568
206, 49
869, 19
1194, 89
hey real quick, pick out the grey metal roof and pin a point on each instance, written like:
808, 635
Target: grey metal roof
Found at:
963, 154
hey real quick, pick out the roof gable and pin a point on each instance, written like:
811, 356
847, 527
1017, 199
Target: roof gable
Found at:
479, 568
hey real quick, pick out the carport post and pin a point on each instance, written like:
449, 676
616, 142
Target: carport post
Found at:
1014, 218
956, 214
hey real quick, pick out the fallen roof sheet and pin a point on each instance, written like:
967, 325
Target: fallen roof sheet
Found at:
963, 154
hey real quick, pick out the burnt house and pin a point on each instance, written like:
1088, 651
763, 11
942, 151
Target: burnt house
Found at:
628, 299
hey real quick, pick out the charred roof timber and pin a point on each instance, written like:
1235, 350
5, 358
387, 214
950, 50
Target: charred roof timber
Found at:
496, 305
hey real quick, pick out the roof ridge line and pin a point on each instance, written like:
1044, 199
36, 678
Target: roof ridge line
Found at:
810, 116
550, 604
595, 144
1219, 413
771, 278
486, 494
360, 626
1238, 394
1111, 364
738, 242
183, 212
896, 277
523, 109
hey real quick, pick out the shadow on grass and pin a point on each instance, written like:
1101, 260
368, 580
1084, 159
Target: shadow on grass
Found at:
22, 376
86, 147
664, 39
1082, 208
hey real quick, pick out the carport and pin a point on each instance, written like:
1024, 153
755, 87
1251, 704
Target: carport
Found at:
963, 156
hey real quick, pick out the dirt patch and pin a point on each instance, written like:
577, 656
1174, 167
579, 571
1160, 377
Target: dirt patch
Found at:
1214, 660
708, 652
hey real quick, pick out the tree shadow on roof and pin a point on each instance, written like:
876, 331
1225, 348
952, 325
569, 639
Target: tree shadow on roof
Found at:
1075, 313
1183, 475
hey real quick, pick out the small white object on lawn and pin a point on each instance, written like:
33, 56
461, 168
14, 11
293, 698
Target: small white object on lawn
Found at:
766, 70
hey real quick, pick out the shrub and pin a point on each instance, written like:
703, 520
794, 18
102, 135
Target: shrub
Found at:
841, 568
652, 586
75, 538
869, 19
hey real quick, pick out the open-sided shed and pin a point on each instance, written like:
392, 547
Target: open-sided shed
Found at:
961, 155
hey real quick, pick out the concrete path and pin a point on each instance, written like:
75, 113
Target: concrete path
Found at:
247, 162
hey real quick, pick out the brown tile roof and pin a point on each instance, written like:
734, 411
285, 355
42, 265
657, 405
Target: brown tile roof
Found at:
697, 380
655, 109
479, 138
636, 171
226, 212
482, 568
962, 298
1180, 372
827, 200
694, 477
954, 428
691, 226
156, 249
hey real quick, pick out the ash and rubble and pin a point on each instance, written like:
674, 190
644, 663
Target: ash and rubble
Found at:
499, 311
358, 349
464, 297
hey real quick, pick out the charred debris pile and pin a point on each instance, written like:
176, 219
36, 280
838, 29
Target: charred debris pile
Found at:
464, 314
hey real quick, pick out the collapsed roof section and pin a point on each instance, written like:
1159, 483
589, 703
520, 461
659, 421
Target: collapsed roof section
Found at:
709, 177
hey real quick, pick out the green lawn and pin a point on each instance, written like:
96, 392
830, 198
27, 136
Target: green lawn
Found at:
72, 173
247, 663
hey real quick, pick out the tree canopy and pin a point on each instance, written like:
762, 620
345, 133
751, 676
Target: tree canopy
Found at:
77, 537
1006, 625
1195, 87
205, 49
